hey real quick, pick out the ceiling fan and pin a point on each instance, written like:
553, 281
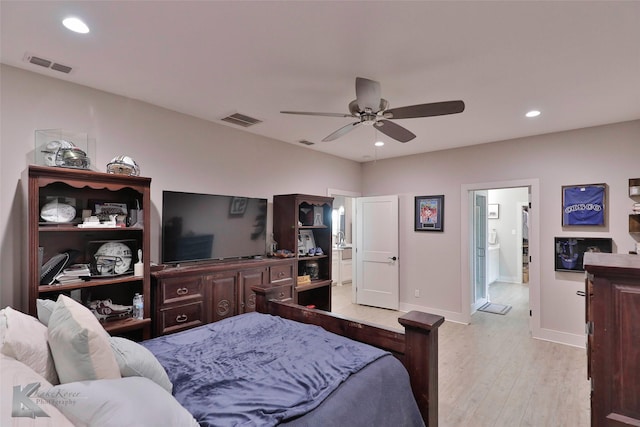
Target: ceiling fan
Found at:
370, 109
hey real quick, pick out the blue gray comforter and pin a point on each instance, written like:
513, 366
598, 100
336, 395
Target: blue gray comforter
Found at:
257, 369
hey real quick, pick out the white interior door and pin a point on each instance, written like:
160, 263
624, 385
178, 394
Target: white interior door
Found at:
377, 264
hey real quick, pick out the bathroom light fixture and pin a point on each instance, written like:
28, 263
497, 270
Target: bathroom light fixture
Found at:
533, 113
76, 25
378, 143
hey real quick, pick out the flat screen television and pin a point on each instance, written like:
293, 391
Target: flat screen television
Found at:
201, 227
569, 251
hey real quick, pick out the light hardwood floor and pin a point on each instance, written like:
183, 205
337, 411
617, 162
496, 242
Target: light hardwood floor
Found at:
491, 372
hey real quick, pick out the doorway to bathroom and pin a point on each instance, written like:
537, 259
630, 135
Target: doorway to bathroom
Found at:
499, 225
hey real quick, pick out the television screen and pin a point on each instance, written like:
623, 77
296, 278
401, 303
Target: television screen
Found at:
569, 251
197, 227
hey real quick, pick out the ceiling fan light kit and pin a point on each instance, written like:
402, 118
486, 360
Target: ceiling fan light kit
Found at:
371, 109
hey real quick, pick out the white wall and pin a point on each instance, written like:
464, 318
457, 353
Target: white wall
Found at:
184, 153
507, 228
178, 152
432, 261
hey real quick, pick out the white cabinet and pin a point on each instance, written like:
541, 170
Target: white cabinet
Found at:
342, 265
335, 267
493, 270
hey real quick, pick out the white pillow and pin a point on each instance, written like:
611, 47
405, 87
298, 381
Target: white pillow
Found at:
3, 327
132, 401
13, 373
135, 360
44, 308
25, 340
79, 344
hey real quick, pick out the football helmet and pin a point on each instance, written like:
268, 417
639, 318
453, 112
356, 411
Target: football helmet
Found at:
123, 165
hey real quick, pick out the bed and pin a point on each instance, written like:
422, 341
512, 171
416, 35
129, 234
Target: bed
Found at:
416, 348
359, 375
264, 369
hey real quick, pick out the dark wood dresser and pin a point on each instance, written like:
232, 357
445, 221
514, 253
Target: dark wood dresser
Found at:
613, 338
193, 295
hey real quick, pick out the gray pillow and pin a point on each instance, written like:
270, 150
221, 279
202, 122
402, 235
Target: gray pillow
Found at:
132, 401
135, 360
79, 344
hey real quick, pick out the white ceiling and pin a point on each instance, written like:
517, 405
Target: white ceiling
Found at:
578, 62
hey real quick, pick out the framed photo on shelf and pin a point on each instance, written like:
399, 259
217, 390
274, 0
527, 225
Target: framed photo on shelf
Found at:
318, 213
109, 208
429, 213
493, 210
305, 242
583, 204
104, 210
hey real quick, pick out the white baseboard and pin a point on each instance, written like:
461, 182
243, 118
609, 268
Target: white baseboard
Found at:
573, 340
449, 316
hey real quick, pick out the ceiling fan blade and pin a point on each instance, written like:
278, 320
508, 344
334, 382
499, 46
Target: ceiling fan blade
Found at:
368, 94
343, 130
425, 110
306, 113
394, 131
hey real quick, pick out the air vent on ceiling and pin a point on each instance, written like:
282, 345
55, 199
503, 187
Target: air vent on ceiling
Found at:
241, 120
305, 142
36, 60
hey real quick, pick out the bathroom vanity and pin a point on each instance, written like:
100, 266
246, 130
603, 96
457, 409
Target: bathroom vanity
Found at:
493, 271
342, 265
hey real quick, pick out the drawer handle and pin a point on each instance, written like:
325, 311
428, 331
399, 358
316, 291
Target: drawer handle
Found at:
281, 274
182, 291
281, 295
181, 318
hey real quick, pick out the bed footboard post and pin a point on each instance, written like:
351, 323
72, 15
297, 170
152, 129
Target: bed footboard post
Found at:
421, 361
261, 298
264, 295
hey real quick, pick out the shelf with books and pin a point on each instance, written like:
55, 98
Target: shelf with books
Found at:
62, 197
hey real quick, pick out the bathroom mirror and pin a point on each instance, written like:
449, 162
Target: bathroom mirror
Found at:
342, 216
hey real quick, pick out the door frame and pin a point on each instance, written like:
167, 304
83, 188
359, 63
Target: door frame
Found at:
466, 206
474, 302
354, 195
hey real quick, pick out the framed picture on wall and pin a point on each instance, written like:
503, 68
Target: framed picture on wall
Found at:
493, 210
583, 204
429, 213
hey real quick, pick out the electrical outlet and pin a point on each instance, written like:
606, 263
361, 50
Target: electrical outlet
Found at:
416, 293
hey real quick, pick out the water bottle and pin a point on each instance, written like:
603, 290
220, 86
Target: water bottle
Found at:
138, 306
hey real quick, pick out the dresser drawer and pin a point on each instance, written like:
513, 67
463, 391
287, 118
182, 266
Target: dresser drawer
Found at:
181, 289
181, 317
281, 293
278, 273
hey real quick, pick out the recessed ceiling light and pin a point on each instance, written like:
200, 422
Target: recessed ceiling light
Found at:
533, 113
76, 25
378, 143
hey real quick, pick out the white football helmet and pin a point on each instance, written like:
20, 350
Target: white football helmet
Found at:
123, 165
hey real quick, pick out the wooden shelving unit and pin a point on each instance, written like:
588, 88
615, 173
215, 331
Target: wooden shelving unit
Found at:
296, 217
634, 194
85, 188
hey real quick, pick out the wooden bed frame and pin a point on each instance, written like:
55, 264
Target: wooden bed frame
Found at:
416, 348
